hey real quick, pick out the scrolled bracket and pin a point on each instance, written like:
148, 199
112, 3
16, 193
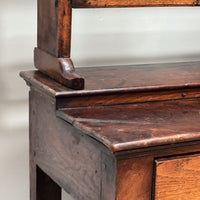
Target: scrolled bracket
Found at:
60, 69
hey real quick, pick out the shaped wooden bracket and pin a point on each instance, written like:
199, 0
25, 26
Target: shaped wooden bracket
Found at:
59, 69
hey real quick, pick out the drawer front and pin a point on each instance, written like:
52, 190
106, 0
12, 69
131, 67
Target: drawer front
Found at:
177, 178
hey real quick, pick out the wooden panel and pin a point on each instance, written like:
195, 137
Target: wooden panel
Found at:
54, 27
178, 178
65, 154
62, 153
131, 3
134, 178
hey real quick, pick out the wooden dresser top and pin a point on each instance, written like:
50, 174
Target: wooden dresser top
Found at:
122, 79
141, 125
128, 125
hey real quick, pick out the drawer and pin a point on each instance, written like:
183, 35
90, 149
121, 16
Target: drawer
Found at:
177, 178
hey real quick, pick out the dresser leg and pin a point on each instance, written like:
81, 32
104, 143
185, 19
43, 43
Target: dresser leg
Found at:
43, 187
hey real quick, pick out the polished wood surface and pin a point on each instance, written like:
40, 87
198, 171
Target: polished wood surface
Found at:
54, 27
131, 132
54, 38
132, 171
131, 3
60, 69
117, 150
123, 127
154, 119
123, 79
177, 178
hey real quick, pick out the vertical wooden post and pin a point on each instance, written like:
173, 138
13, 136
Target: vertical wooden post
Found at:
52, 56
42, 187
54, 27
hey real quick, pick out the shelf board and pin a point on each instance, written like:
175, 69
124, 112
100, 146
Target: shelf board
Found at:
138, 126
123, 79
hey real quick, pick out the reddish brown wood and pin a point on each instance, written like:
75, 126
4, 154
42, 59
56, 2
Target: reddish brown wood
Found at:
60, 69
55, 16
54, 27
124, 127
131, 3
54, 38
64, 28
160, 151
155, 123
159, 122
125, 98
54, 30
134, 177
177, 178
132, 132
79, 156
123, 79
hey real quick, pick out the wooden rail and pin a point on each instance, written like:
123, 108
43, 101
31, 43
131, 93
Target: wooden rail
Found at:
131, 3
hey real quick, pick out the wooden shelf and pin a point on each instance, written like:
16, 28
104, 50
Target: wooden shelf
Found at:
141, 125
123, 79
131, 107
130, 3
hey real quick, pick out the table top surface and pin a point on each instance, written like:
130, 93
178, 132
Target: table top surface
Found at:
122, 79
133, 125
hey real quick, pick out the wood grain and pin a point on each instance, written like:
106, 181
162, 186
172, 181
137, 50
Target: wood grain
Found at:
125, 98
66, 154
141, 125
60, 69
109, 152
178, 178
134, 178
131, 3
123, 79
54, 27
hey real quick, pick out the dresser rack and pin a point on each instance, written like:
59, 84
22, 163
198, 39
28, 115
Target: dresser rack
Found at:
110, 133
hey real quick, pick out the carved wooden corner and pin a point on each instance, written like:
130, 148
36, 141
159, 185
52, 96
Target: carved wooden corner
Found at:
60, 69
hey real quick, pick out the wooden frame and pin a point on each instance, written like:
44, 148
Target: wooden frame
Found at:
141, 144
131, 3
54, 33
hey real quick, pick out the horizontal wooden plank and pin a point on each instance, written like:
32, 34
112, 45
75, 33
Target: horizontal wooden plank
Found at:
136, 126
178, 178
123, 79
125, 98
131, 3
